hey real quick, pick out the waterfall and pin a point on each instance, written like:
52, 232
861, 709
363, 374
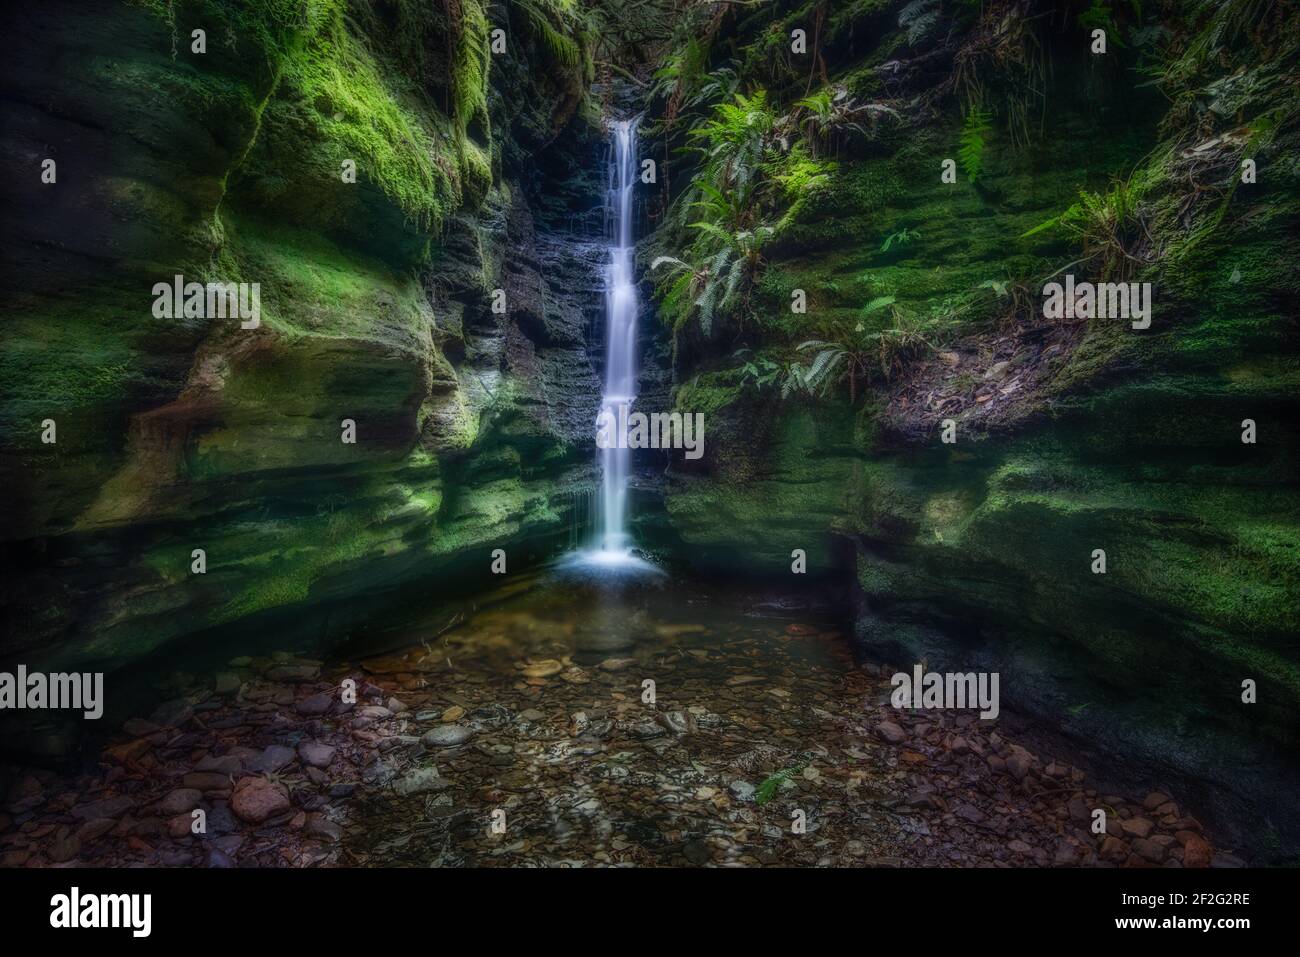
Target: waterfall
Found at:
620, 335
609, 553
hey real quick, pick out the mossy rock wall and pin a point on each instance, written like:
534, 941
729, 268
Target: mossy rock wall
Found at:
194, 433
1070, 437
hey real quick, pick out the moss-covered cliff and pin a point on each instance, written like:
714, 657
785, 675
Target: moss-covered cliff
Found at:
229, 165
924, 310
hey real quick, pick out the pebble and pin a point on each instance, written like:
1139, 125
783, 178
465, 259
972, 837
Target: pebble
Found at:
891, 732
543, 669
226, 764
316, 754
179, 800
318, 825
1137, 827
273, 758
1196, 851
419, 781
315, 705
63, 848
207, 781
107, 808
743, 790
447, 736
256, 800
294, 674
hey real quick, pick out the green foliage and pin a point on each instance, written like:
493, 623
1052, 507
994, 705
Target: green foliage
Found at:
760, 370
1099, 16
1108, 225
369, 119
853, 355
555, 25
970, 149
767, 790
470, 73
904, 235
797, 175
830, 115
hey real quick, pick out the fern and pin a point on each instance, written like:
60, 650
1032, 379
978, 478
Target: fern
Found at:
918, 17
970, 150
904, 235
767, 790
561, 48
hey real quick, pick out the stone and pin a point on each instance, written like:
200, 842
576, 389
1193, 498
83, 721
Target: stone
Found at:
179, 800
1066, 854
207, 781
1138, 827
257, 799
419, 781
1019, 764
273, 758
316, 754
295, 673
1154, 800
616, 664
1113, 850
318, 825
139, 727
447, 736
742, 790
172, 714
1196, 850
1079, 811
226, 764
64, 847
891, 732
226, 683
92, 831
697, 852
1149, 850
107, 808
543, 669
315, 705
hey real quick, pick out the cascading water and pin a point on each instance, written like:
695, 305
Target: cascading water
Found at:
620, 336
612, 545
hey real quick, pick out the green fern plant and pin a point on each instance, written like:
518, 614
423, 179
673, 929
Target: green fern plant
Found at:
904, 235
970, 149
767, 790
1108, 225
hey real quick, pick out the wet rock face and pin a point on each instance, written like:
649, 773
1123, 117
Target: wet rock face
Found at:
1069, 438
376, 307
